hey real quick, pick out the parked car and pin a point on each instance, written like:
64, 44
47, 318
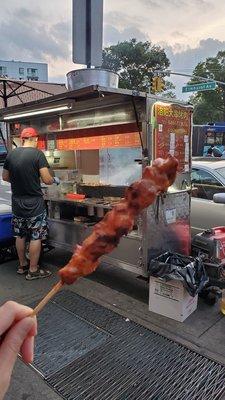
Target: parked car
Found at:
3, 153
208, 179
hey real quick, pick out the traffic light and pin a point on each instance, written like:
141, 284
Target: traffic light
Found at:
154, 84
160, 84
157, 84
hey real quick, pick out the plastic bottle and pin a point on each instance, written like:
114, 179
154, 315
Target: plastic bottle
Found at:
222, 302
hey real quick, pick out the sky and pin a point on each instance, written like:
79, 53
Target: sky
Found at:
188, 30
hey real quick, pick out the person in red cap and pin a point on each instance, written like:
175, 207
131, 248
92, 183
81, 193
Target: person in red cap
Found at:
23, 168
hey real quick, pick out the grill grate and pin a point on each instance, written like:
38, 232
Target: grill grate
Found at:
121, 360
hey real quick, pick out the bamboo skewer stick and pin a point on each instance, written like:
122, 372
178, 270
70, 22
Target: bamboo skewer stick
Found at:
47, 298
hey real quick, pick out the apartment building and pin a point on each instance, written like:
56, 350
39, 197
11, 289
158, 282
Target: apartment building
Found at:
21, 70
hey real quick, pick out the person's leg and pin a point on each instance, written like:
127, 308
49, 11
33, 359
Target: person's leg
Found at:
34, 253
20, 247
37, 227
19, 231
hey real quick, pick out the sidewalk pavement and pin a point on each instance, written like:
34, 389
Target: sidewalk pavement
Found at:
123, 293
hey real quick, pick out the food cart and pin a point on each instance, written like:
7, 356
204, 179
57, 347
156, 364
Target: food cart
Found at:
97, 140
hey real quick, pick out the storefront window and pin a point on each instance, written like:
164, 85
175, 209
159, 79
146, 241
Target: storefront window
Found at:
219, 138
216, 138
3, 70
210, 137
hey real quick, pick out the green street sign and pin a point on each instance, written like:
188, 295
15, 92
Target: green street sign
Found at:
199, 87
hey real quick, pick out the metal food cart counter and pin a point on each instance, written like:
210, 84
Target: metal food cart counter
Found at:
67, 233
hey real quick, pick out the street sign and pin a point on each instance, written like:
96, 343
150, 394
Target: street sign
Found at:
199, 87
87, 32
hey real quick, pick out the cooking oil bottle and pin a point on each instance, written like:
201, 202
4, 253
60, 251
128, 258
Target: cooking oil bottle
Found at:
222, 302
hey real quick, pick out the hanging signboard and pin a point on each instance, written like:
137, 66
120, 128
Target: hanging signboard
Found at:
98, 142
87, 32
172, 133
42, 142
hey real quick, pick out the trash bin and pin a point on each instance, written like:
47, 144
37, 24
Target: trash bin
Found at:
188, 270
175, 281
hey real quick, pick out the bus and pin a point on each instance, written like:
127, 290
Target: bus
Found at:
206, 135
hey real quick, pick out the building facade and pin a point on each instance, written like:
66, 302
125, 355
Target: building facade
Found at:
27, 71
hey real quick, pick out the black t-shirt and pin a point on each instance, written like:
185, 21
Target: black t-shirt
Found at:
23, 165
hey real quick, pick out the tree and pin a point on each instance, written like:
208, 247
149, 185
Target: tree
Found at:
209, 106
135, 62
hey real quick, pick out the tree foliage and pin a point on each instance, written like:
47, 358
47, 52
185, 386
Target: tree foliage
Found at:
209, 106
135, 62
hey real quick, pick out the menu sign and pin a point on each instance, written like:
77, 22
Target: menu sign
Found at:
172, 133
98, 142
42, 143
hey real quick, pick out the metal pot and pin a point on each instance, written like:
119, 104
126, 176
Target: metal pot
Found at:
81, 78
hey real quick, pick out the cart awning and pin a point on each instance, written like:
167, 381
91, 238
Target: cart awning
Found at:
14, 92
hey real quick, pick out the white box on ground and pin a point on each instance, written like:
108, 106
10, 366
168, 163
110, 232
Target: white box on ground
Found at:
171, 299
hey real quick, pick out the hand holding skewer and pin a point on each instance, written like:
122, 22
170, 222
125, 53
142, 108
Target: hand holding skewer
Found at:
47, 298
17, 332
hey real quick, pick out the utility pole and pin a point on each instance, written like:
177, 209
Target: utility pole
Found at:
88, 33
201, 78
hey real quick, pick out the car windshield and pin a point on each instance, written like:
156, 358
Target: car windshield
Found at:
221, 171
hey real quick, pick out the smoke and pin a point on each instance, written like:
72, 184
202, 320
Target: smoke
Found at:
126, 176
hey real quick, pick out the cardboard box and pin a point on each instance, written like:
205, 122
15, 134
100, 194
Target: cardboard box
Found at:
171, 299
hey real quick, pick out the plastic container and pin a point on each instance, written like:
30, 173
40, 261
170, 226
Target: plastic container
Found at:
75, 196
5, 226
5, 209
66, 187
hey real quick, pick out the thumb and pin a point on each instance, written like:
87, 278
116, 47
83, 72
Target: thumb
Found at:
12, 343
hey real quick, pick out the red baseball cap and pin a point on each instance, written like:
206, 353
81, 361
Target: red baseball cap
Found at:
28, 133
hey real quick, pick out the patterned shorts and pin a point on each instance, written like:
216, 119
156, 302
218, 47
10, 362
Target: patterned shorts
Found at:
33, 228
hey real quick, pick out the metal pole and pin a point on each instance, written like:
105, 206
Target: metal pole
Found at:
88, 33
3, 139
189, 76
4, 94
